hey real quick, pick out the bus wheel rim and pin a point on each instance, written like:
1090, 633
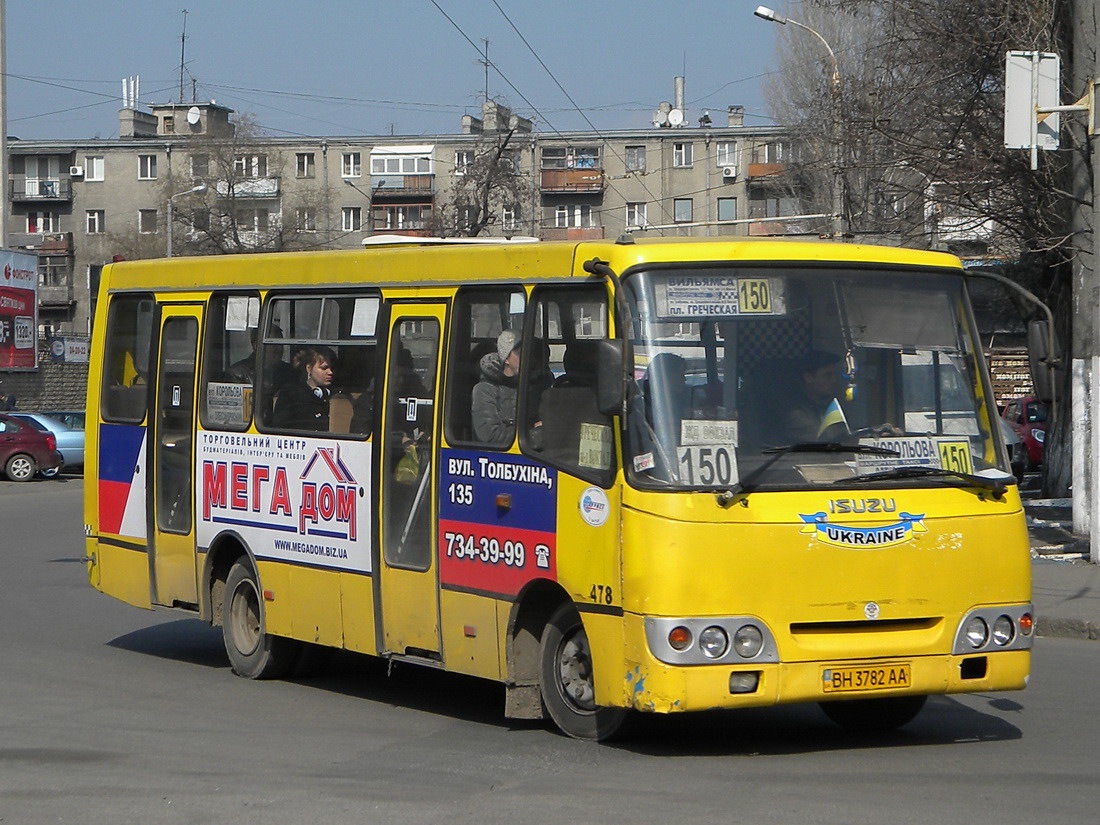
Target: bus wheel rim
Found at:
244, 615
575, 672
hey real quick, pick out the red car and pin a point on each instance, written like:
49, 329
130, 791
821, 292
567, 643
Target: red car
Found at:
24, 450
1028, 418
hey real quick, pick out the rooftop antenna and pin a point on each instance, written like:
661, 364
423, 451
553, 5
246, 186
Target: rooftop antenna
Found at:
485, 62
194, 90
183, 52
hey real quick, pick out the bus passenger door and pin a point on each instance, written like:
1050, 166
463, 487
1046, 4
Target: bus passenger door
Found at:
172, 507
408, 574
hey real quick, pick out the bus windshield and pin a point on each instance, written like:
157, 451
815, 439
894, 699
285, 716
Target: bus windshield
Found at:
803, 378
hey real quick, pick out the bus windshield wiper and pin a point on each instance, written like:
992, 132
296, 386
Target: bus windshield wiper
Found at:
748, 483
996, 486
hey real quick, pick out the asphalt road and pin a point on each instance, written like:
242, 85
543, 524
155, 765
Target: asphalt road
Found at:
110, 714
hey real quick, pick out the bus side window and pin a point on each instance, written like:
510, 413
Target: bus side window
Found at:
229, 361
125, 390
318, 364
476, 369
566, 428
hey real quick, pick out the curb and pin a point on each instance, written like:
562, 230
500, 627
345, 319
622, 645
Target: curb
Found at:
1055, 628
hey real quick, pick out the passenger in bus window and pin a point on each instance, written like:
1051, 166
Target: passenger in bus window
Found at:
243, 371
493, 403
303, 404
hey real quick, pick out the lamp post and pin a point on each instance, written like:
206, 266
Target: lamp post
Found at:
839, 228
198, 188
370, 196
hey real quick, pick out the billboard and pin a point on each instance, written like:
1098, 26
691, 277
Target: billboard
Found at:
18, 310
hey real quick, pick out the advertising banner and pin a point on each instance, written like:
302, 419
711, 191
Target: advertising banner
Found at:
18, 310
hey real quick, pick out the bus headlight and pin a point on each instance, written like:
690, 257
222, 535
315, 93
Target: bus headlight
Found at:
714, 642
977, 632
1003, 631
748, 641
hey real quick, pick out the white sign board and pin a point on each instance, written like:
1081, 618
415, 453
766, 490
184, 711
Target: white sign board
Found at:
1031, 80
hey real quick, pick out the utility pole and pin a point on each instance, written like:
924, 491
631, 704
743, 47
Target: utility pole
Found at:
183, 52
3, 124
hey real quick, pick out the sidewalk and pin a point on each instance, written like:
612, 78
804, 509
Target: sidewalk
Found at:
1065, 586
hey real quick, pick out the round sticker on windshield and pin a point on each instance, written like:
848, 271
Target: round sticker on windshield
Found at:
594, 506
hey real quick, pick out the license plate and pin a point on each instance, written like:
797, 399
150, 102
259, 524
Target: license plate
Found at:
865, 677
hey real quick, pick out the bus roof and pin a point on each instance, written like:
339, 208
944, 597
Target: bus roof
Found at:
421, 264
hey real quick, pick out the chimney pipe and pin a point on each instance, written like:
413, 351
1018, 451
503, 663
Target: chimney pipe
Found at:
680, 93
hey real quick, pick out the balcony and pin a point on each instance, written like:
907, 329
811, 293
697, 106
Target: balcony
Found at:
960, 228
55, 295
764, 170
571, 233
39, 190
50, 243
251, 188
383, 185
572, 181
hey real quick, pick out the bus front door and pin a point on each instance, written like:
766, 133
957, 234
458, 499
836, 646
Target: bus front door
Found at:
408, 575
173, 527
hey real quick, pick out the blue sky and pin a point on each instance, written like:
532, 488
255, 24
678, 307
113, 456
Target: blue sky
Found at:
340, 67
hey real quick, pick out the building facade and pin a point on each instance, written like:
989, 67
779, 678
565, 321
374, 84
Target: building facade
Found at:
80, 204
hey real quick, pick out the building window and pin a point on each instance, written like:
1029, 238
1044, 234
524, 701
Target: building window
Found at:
725, 153
635, 215
683, 154
305, 165
200, 220
779, 151
635, 158
147, 221
41, 223
681, 210
577, 215
571, 157
401, 165
96, 221
307, 219
352, 165
464, 159
169, 124
252, 220
93, 167
352, 217
727, 209
200, 166
147, 167
250, 166
406, 216
509, 218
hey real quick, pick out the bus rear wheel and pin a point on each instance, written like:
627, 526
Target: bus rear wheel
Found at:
565, 679
253, 653
874, 715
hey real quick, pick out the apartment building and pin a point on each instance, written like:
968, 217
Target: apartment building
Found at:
80, 204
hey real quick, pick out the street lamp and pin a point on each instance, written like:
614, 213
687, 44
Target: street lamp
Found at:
197, 188
772, 16
370, 196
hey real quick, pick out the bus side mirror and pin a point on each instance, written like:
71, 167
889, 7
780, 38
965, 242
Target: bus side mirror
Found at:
609, 376
1040, 359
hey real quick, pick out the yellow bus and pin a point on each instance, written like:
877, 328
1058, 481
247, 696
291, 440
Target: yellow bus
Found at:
650, 475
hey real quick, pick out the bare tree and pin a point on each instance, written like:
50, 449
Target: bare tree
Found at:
487, 183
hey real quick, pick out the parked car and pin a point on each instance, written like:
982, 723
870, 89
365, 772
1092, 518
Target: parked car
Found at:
70, 418
70, 442
26, 450
1028, 418
1017, 452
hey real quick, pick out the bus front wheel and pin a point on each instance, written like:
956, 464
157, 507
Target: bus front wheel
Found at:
565, 679
253, 653
874, 715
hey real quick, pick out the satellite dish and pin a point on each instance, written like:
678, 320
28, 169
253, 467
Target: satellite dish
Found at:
660, 118
675, 117
193, 115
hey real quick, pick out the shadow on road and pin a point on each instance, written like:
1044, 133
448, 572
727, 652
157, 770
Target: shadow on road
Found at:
771, 731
